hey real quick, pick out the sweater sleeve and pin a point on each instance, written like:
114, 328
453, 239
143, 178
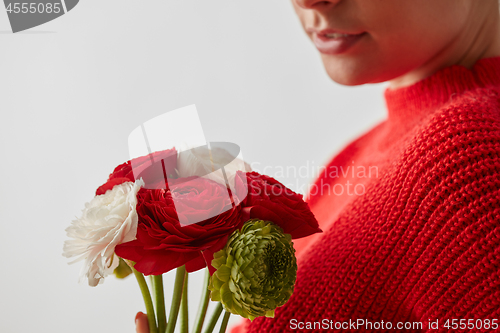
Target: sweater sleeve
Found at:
448, 229
422, 244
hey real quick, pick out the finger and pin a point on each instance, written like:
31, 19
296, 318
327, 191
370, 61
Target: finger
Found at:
141, 323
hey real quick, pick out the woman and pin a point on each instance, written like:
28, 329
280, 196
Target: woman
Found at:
420, 245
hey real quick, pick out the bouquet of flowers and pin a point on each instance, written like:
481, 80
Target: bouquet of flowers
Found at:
201, 208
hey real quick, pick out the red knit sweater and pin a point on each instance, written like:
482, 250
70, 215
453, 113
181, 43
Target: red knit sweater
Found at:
418, 238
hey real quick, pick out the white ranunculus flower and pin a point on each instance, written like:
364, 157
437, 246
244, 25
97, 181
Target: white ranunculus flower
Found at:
207, 163
108, 220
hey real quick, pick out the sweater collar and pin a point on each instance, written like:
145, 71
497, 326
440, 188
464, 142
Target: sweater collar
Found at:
407, 103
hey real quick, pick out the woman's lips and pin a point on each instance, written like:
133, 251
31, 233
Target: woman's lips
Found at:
335, 42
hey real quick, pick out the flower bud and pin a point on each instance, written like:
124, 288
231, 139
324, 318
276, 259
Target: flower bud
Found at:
123, 270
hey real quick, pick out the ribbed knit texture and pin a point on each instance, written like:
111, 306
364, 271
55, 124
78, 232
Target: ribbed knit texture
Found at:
422, 242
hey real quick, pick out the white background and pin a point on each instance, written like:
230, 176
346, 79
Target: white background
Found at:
74, 88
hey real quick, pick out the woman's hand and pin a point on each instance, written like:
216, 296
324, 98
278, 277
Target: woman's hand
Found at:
141, 323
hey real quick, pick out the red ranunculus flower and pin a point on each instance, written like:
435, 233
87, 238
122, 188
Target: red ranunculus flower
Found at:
268, 199
163, 243
149, 167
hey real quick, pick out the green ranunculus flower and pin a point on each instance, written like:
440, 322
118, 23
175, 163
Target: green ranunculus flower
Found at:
256, 270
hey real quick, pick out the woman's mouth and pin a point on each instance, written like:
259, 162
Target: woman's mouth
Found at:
331, 42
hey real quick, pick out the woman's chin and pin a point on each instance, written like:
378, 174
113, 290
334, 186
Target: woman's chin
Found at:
347, 81
344, 71
347, 78
354, 74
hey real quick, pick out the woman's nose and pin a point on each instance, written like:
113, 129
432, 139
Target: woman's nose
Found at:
316, 4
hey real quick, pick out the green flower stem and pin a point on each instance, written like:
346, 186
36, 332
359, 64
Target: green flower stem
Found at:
184, 307
225, 320
214, 319
152, 283
202, 309
160, 303
176, 299
147, 301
